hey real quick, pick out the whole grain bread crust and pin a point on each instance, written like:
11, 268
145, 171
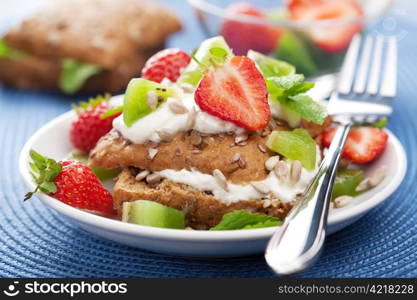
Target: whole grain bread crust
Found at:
202, 210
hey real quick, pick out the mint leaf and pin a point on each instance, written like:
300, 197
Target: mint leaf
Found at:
309, 109
74, 74
300, 88
267, 223
241, 219
289, 91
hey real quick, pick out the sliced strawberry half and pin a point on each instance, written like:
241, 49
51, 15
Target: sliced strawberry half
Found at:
235, 92
333, 38
363, 144
243, 36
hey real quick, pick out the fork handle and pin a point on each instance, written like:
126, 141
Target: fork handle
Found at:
298, 242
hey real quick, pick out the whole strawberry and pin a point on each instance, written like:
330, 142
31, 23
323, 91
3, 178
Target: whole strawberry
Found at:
93, 122
70, 182
167, 63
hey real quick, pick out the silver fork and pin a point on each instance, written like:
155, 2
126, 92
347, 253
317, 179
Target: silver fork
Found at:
362, 98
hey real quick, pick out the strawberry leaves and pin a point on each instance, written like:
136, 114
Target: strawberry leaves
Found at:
91, 103
44, 171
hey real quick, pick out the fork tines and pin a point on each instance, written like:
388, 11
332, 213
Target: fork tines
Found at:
369, 58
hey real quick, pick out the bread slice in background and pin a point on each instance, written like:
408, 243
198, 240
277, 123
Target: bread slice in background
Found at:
115, 35
201, 209
34, 73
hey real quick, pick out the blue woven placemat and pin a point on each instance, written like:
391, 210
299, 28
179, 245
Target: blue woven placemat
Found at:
37, 242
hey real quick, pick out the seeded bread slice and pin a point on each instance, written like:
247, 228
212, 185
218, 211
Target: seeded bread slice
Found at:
214, 152
202, 210
102, 32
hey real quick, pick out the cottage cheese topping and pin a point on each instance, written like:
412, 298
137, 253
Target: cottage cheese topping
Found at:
145, 129
279, 189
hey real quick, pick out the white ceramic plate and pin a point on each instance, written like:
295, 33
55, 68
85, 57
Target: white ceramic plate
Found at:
197, 243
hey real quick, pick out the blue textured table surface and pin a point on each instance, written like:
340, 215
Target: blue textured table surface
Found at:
37, 242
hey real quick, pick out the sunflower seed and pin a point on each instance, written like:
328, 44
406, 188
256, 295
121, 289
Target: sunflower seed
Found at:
265, 132
243, 137
295, 172
281, 170
377, 176
195, 138
196, 151
271, 162
152, 152
142, 175
261, 148
191, 118
241, 162
260, 187
235, 158
186, 87
152, 99
221, 180
272, 124
363, 185
177, 108
342, 201
164, 135
153, 179
266, 203
275, 202
178, 152
209, 140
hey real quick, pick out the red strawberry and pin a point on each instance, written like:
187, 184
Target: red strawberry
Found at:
70, 182
243, 36
333, 38
90, 125
363, 144
235, 92
165, 64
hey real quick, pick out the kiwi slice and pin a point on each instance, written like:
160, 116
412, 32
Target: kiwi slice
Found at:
135, 105
294, 145
150, 213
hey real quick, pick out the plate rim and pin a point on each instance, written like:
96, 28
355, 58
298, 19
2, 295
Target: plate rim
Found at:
194, 235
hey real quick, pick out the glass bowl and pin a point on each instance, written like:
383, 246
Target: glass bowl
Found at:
316, 47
